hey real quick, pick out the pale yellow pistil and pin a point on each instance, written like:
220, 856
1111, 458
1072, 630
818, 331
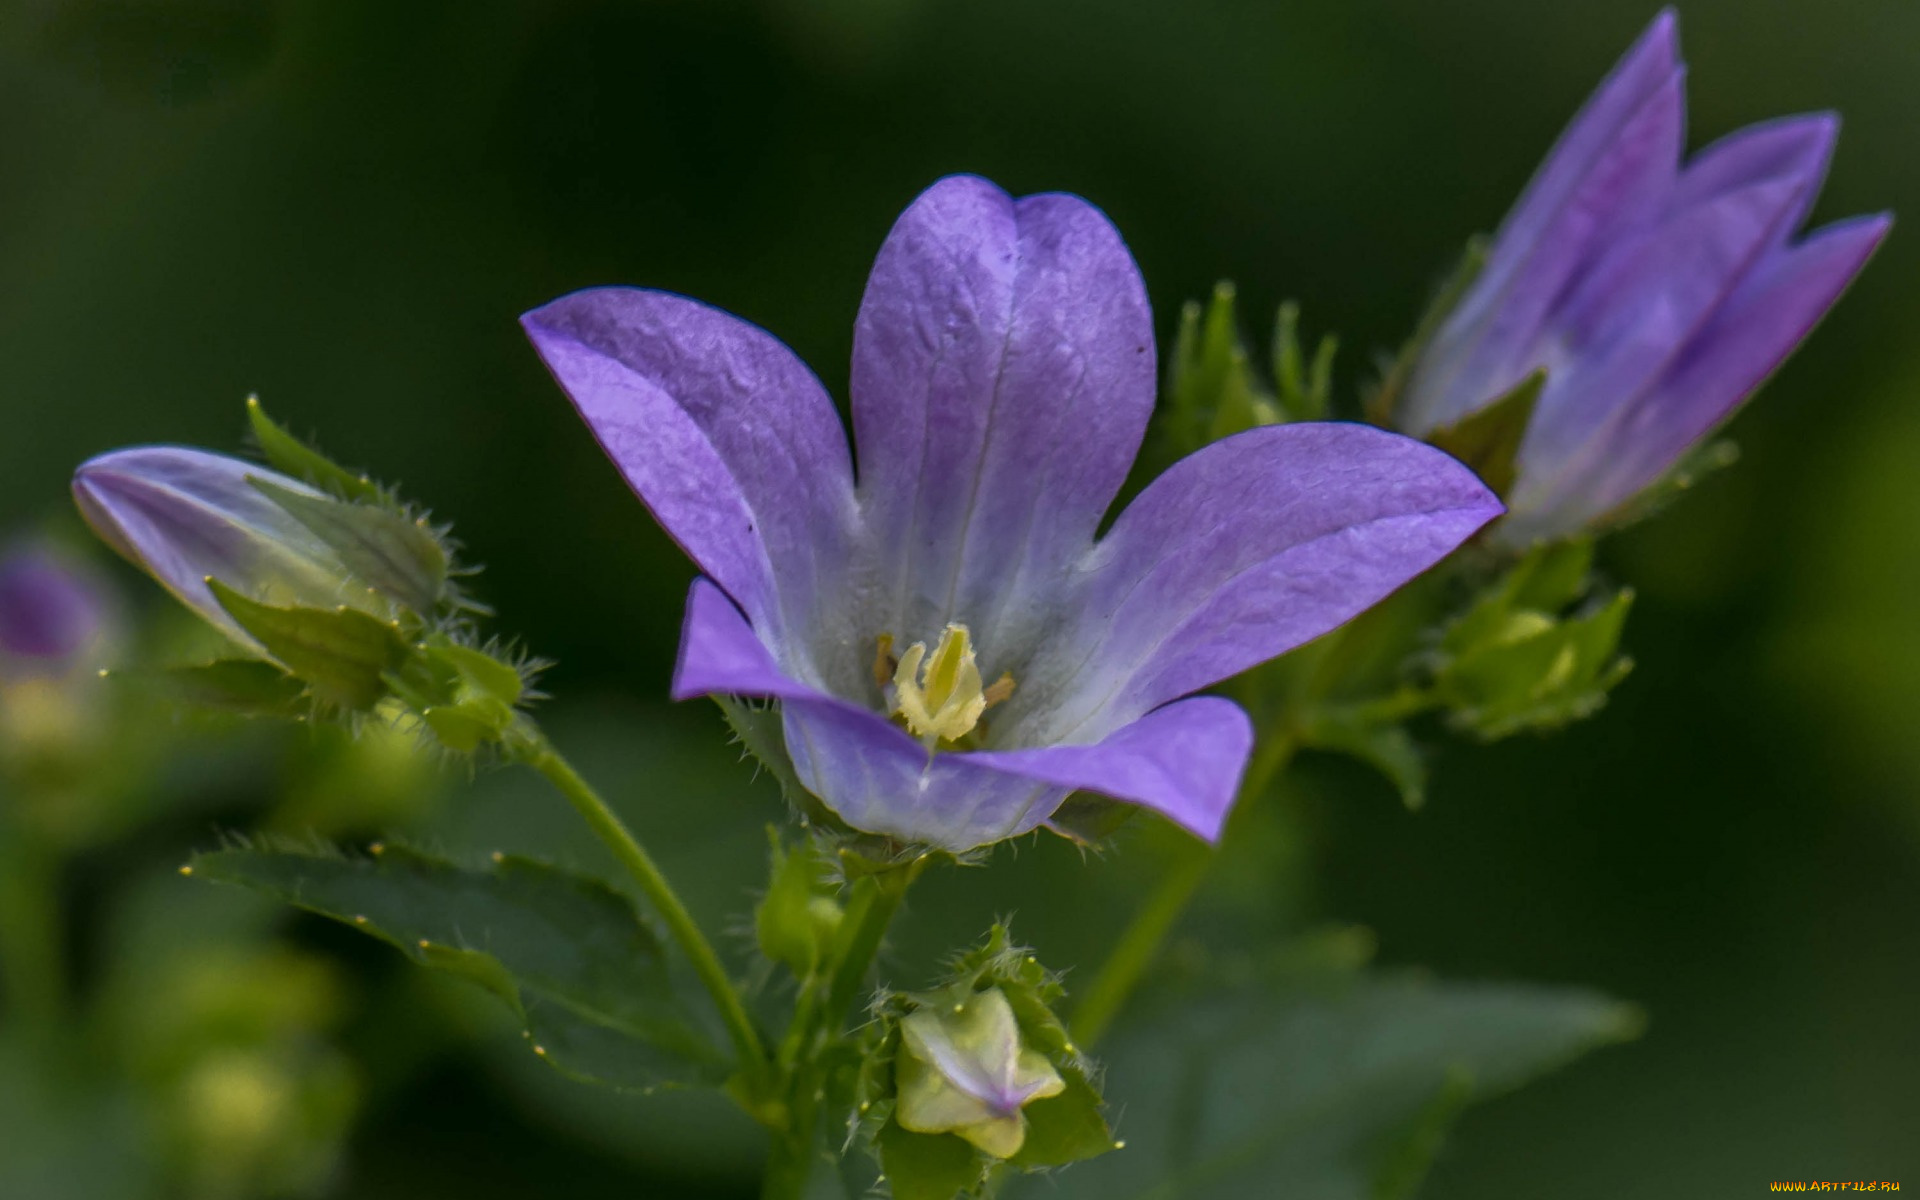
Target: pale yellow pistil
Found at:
942, 702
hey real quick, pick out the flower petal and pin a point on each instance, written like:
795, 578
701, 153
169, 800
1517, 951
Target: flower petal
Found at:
1749, 336
1638, 308
1003, 375
1611, 170
1240, 552
725, 434
1184, 760
184, 515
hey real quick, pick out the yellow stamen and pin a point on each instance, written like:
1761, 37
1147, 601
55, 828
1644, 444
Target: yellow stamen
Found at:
884, 663
944, 702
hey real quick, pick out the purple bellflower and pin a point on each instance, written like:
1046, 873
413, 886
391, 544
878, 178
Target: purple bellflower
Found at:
1003, 374
51, 613
185, 516
1655, 296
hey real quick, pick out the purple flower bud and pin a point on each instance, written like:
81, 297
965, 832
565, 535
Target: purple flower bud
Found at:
184, 516
51, 612
1657, 296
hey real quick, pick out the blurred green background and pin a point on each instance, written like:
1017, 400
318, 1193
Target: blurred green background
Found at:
343, 204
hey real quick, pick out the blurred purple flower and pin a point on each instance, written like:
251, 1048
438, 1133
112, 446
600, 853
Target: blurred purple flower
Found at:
51, 612
1003, 374
185, 515
1657, 297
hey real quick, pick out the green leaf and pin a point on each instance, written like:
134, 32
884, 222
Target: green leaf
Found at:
246, 686
1488, 440
1333, 1089
396, 555
343, 654
923, 1166
294, 457
569, 954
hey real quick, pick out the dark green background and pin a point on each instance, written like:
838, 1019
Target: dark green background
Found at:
343, 204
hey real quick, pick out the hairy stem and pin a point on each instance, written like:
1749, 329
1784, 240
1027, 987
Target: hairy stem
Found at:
754, 1065
1141, 941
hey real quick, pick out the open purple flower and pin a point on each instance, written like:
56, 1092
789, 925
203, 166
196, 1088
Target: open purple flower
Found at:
1003, 374
1656, 296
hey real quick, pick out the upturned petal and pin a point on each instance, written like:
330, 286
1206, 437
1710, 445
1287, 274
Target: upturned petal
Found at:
1242, 551
1003, 374
185, 516
728, 438
1612, 169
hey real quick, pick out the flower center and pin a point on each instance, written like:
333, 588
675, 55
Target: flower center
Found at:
940, 697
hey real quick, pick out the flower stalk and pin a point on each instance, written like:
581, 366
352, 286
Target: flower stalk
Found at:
755, 1067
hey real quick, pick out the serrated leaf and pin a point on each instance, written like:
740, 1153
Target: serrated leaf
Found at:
1329, 1089
343, 654
1211, 390
294, 457
920, 1166
394, 554
246, 686
569, 954
1488, 440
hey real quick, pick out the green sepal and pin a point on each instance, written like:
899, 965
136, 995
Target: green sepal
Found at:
394, 554
1063, 1129
923, 1166
1514, 662
343, 654
571, 956
795, 922
1380, 404
1304, 390
1211, 389
1700, 462
1488, 441
467, 696
758, 729
246, 686
1090, 820
1386, 746
291, 456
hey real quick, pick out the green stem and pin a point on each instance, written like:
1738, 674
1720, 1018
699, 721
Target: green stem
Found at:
1140, 943
754, 1065
870, 911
